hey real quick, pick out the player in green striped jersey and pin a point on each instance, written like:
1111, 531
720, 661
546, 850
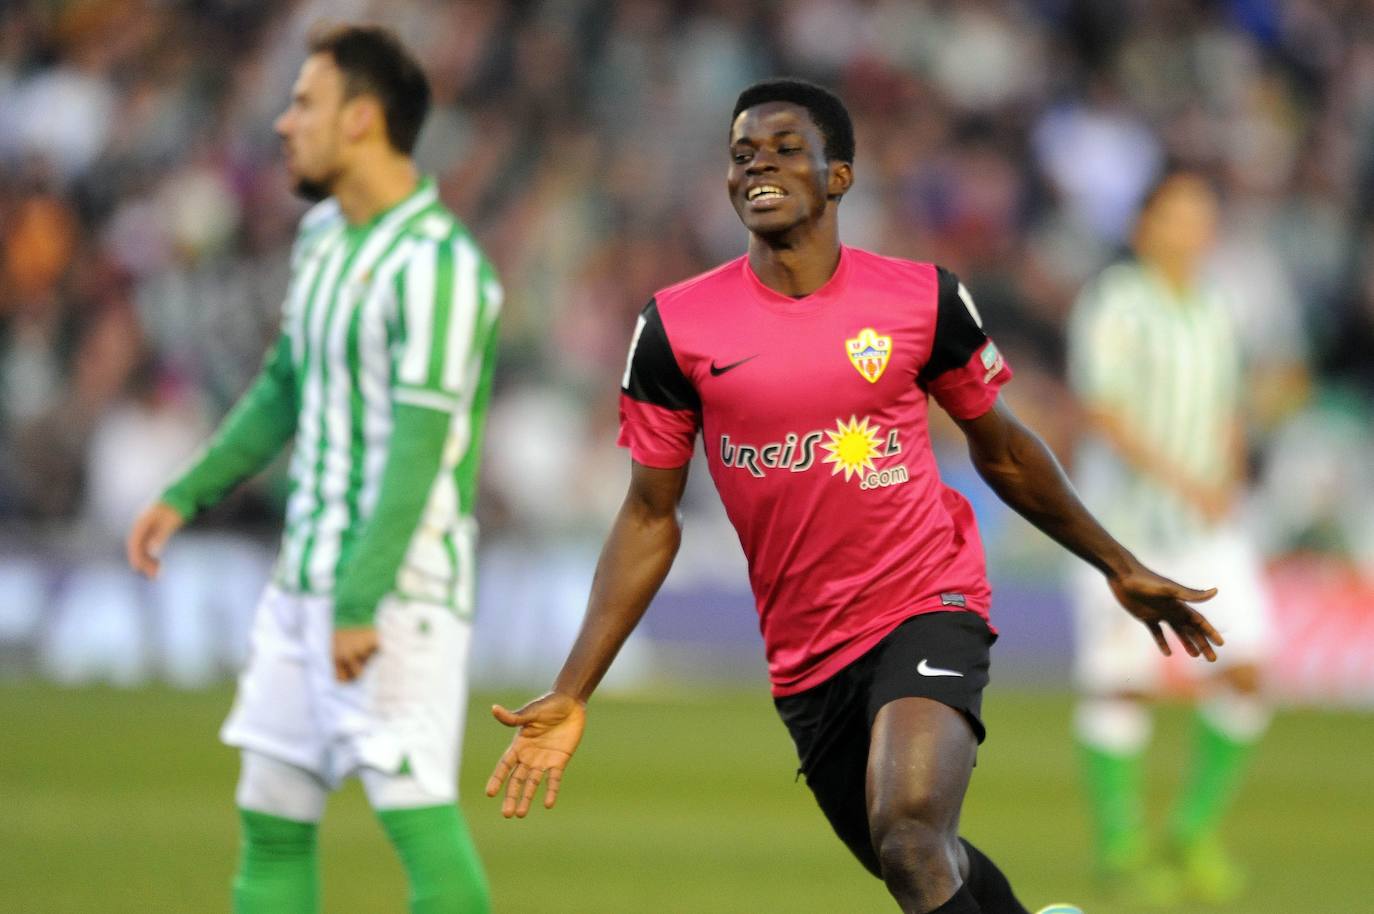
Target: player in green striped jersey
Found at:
380, 376
1155, 360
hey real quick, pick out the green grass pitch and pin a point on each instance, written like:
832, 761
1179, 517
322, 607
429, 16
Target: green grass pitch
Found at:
117, 801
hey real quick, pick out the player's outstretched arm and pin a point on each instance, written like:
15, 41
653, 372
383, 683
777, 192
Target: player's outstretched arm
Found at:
634, 561
1018, 466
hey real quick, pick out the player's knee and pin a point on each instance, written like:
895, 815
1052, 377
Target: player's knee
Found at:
268, 785
1244, 679
1243, 716
914, 851
911, 834
1115, 723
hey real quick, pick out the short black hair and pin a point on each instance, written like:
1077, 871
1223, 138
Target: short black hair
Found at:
824, 106
1171, 171
374, 62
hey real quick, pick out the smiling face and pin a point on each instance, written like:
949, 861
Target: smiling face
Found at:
312, 128
779, 178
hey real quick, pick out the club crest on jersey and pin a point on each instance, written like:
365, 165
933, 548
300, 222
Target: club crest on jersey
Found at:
869, 352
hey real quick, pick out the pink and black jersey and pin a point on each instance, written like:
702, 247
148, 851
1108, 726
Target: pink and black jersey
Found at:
813, 417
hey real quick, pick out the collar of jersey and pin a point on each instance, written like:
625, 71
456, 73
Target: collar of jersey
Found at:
426, 185
828, 293
1185, 301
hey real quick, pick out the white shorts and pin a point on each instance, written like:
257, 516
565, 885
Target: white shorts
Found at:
405, 710
1116, 653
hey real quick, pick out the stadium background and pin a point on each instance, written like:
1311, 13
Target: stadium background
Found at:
144, 228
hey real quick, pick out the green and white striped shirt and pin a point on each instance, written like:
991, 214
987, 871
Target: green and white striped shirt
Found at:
384, 364
1168, 367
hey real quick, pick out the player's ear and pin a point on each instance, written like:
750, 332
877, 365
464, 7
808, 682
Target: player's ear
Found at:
362, 114
841, 179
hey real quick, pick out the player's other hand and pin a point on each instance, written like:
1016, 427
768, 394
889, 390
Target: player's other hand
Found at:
1157, 601
550, 729
1215, 503
149, 535
353, 647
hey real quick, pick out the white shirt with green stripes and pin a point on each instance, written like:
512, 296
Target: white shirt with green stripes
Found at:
386, 350
1167, 366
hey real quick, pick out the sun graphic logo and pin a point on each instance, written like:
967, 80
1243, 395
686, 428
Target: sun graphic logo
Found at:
852, 447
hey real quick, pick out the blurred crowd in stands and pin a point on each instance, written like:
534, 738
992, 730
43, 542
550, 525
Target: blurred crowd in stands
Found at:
145, 219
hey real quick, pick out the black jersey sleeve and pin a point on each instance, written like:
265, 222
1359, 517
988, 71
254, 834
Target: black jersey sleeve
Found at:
652, 374
958, 329
965, 370
660, 410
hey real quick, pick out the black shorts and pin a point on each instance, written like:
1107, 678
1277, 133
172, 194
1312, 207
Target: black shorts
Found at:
830, 723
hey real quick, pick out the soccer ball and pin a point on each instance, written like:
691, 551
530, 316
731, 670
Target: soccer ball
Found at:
1061, 909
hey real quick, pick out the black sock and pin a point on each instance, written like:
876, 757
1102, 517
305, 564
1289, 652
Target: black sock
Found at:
987, 884
962, 903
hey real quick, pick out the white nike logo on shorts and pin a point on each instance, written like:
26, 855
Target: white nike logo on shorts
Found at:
925, 669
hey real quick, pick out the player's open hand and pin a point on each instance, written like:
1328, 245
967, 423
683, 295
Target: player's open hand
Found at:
1157, 601
550, 729
149, 535
353, 647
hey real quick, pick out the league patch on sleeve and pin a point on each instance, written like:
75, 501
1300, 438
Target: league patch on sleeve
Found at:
971, 390
992, 360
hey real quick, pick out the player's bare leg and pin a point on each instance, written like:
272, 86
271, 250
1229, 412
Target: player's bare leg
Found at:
920, 759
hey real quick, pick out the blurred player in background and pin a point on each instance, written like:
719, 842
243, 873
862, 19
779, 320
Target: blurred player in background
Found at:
807, 366
381, 375
1155, 361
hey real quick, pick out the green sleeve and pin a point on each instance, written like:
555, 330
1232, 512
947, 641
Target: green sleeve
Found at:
255, 431
417, 448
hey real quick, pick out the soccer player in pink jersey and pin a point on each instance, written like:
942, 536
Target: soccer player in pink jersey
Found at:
807, 367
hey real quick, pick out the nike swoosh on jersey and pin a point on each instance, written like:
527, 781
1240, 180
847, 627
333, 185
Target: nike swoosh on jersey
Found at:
925, 669
718, 370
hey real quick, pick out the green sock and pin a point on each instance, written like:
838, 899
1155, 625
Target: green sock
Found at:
277, 866
1114, 793
1217, 769
446, 876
